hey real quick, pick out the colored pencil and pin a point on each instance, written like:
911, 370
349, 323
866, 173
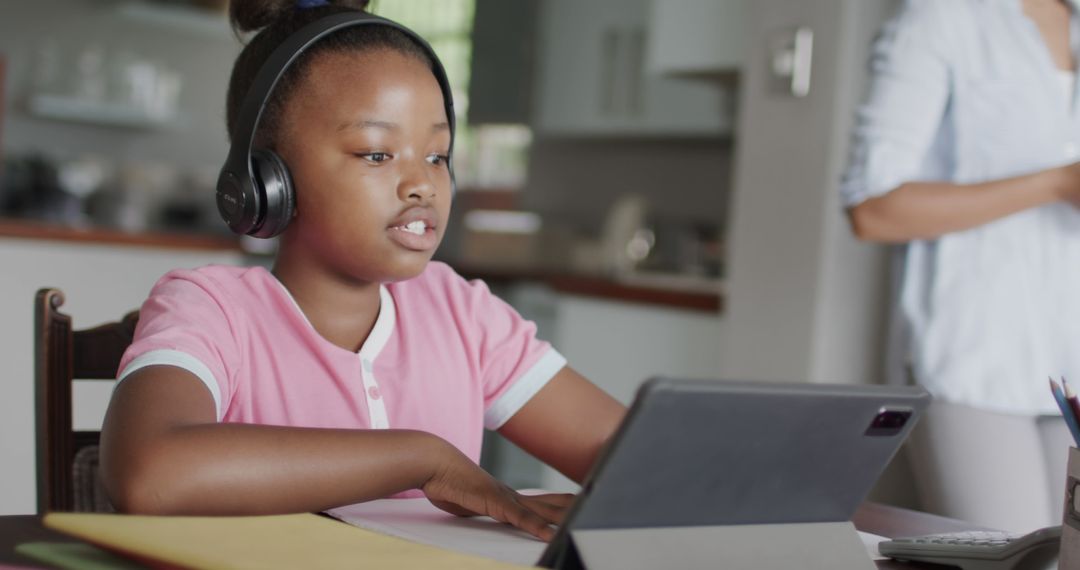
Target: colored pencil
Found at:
1066, 410
1071, 397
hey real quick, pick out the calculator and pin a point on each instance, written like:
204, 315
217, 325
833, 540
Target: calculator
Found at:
980, 550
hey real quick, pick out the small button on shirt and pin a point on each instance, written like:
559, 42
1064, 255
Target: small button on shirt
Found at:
444, 356
965, 91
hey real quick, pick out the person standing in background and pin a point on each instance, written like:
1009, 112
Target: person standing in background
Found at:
965, 155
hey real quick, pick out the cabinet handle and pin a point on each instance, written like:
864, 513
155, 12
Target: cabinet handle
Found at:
636, 86
792, 59
804, 47
609, 56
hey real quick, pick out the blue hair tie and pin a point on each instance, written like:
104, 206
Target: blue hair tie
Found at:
306, 4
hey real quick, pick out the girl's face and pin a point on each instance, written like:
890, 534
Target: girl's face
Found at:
366, 139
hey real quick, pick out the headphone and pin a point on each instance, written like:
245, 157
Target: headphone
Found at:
255, 194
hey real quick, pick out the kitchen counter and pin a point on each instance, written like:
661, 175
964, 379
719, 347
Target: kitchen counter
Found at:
669, 291
28, 229
682, 293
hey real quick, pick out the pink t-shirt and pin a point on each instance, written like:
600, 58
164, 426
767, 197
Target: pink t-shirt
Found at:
445, 355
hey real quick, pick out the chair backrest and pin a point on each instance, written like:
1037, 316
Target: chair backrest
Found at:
67, 459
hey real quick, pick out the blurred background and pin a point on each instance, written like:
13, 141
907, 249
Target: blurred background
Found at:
652, 181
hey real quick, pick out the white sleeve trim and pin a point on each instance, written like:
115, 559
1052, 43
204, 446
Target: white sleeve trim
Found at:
523, 389
180, 360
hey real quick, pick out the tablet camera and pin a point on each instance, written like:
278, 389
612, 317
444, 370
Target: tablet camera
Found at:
888, 422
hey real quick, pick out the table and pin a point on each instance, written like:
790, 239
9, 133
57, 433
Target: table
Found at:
871, 517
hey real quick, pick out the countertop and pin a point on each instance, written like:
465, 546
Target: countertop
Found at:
666, 291
663, 291
26, 229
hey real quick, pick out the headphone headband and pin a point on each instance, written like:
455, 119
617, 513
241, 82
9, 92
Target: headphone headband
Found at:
241, 195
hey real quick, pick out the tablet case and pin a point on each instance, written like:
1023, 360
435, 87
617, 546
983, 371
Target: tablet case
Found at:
717, 473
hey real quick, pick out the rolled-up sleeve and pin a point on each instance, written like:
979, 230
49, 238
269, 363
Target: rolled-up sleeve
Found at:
908, 95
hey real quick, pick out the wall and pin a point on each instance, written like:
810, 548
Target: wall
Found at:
852, 301
806, 300
202, 53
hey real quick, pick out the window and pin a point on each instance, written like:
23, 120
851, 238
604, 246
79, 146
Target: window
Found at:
447, 26
484, 156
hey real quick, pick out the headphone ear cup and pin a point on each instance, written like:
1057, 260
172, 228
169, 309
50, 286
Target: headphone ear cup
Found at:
276, 192
236, 202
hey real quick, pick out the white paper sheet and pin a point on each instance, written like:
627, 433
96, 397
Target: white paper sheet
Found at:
871, 542
420, 521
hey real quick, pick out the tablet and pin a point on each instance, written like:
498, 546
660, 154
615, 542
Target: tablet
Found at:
711, 452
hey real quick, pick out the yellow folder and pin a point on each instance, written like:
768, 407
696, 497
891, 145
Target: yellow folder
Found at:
263, 543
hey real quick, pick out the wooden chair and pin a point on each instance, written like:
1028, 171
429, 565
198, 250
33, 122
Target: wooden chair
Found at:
67, 478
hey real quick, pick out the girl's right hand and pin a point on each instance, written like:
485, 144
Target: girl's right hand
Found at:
462, 488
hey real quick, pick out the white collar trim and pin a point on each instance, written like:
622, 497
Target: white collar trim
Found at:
380, 333
384, 326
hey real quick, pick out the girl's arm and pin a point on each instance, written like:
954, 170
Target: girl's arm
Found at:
927, 210
566, 423
163, 452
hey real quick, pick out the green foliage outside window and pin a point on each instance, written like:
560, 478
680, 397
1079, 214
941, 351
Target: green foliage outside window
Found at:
489, 155
447, 26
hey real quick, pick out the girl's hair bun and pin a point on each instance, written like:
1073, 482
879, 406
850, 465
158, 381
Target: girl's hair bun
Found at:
252, 15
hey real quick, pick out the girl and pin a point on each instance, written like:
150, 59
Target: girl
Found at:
357, 369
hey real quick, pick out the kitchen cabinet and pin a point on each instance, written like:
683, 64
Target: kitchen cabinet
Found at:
502, 65
592, 78
696, 38
617, 346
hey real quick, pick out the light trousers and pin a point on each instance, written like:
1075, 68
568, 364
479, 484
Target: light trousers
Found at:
995, 470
